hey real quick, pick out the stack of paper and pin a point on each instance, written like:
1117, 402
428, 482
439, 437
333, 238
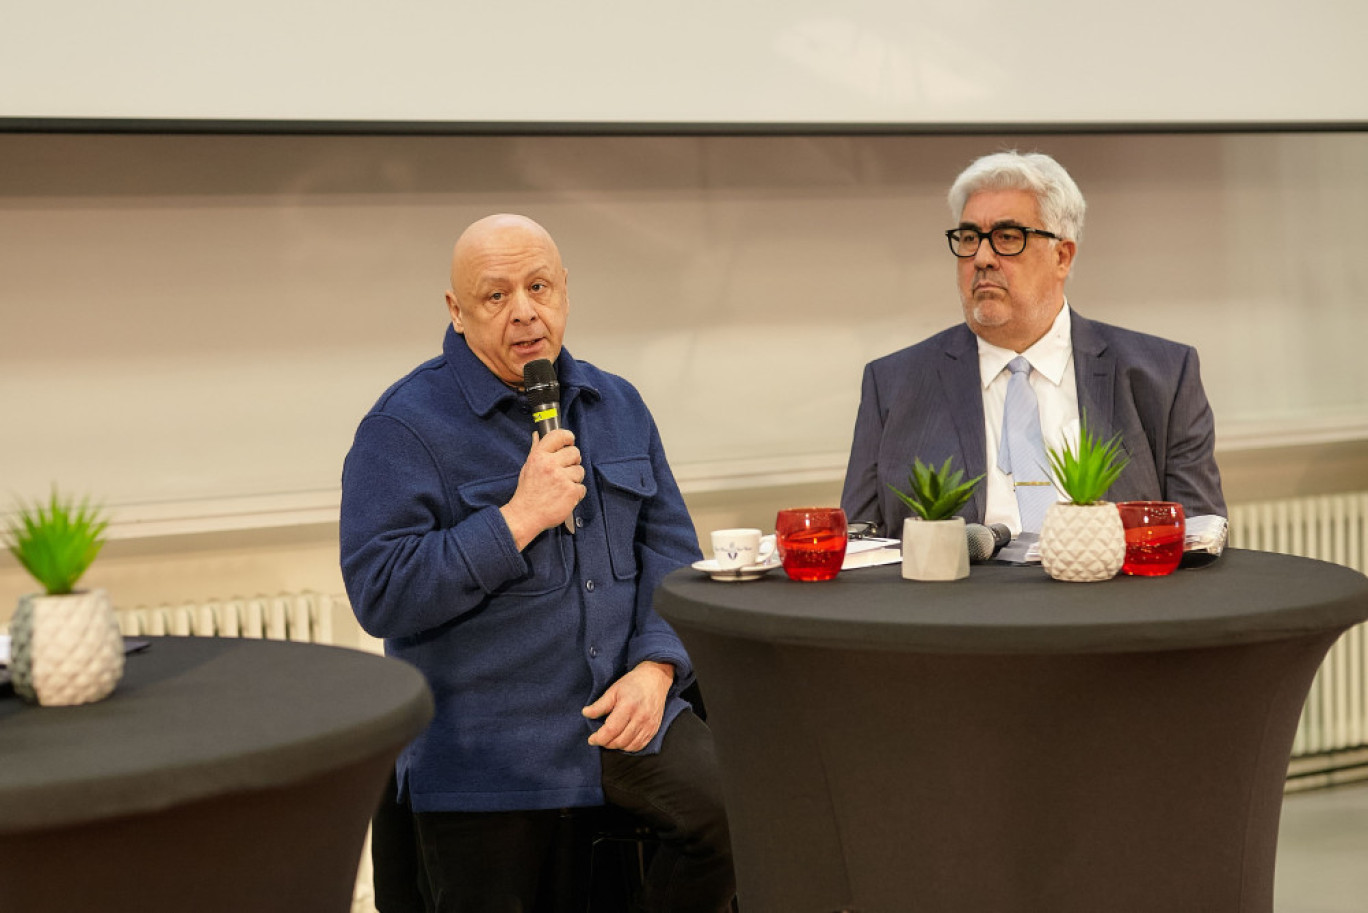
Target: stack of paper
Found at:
871, 552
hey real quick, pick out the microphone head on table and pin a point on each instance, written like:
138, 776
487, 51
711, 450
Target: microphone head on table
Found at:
986, 541
1002, 535
980, 541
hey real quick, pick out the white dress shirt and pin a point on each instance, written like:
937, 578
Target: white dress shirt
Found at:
1056, 390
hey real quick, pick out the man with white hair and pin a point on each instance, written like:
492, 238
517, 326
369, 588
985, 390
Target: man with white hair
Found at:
1020, 218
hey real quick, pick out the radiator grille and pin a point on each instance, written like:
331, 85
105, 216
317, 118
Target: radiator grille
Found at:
1329, 527
1332, 739
305, 617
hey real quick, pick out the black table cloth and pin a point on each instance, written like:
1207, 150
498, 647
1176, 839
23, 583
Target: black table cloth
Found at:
1010, 742
222, 774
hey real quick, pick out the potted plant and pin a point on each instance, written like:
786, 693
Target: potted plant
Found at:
65, 645
934, 545
1082, 538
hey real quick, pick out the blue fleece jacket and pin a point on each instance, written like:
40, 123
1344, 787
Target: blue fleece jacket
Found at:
513, 644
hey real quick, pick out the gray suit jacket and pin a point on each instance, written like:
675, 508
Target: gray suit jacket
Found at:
925, 402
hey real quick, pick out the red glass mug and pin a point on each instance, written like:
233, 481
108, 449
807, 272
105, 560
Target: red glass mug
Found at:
1155, 531
811, 541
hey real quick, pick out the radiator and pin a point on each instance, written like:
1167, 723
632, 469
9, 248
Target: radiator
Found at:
1332, 739
305, 617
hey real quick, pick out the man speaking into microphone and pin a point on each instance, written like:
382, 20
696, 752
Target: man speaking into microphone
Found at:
516, 569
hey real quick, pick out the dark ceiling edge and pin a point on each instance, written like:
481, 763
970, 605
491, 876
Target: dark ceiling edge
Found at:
604, 128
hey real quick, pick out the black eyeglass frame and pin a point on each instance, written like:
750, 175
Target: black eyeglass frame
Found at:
1026, 233
862, 530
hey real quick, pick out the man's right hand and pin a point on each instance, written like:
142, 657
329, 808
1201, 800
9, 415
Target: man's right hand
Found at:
550, 484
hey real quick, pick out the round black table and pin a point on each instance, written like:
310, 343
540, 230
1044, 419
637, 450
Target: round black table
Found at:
1009, 742
222, 774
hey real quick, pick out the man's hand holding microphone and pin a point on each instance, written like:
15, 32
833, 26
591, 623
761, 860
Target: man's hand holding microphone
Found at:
551, 481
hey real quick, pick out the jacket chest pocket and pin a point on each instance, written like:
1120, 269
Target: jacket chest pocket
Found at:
549, 560
624, 485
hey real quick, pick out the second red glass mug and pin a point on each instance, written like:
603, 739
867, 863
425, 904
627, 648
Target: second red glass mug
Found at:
1155, 533
811, 541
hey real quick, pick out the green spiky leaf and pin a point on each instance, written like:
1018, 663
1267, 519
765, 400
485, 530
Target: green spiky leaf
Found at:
935, 494
1085, 472
58, 541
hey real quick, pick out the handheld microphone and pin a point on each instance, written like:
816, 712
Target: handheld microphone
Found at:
543, 398
543, 394
986, 541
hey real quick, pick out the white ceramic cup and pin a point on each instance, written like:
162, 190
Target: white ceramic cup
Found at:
736, 547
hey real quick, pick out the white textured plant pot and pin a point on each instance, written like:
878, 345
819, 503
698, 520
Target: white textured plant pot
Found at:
935, 549
65, 650
1082, 542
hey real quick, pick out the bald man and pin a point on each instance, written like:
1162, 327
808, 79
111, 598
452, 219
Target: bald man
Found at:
556, 683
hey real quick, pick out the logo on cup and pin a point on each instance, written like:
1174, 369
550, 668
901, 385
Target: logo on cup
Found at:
733, 548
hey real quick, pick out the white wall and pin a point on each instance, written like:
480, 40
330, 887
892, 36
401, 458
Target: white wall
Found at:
708, 61
193, 325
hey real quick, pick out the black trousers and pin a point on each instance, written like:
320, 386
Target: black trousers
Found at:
537, 861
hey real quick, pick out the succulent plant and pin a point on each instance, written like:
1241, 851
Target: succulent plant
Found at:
1086, 470
935, 494
58, 541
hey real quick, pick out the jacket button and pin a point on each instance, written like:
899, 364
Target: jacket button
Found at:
593, 651
589, 585
579, 522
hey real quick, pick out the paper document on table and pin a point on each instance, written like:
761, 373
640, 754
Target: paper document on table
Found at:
1204, 539
871, 553
1023, 549
1206, 532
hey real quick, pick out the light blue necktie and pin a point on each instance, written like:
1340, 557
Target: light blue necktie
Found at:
1023, 448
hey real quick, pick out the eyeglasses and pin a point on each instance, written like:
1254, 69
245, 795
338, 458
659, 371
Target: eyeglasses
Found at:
1007, 241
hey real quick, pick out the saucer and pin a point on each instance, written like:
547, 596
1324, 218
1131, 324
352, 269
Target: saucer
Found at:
736, 574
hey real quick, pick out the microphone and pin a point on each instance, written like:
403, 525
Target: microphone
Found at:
543, 398
543, 394
986, 541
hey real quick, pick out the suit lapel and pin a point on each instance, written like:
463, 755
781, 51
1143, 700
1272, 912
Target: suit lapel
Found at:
1094, 374
963, 389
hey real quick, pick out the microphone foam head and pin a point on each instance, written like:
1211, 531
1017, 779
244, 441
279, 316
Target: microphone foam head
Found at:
981, 541
539, 372
539, 381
